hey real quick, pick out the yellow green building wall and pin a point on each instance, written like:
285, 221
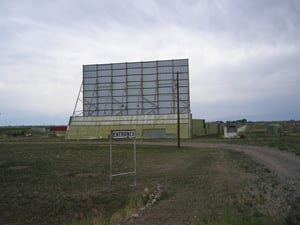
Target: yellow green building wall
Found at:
100, 127
198, 127
213, 128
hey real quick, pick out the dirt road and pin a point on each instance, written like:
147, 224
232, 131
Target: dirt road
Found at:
285, 165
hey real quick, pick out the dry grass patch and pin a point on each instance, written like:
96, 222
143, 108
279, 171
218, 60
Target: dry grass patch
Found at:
68, 183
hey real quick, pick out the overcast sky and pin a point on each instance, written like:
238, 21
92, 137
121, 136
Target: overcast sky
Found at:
244, 56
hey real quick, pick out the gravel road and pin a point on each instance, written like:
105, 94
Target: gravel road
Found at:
285, 165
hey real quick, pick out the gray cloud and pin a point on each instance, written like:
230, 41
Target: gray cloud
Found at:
241, 52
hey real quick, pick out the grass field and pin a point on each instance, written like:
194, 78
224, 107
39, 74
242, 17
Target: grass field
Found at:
285, 143
288, 143
68, 183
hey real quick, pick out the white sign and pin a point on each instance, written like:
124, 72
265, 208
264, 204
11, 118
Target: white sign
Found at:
118, 134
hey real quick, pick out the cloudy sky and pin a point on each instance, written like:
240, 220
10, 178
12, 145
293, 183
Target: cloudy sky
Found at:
244, 55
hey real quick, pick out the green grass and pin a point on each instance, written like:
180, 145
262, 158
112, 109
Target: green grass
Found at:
289, 141
286, 143
67, 183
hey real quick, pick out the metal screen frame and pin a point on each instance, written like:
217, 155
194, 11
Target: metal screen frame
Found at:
135, 88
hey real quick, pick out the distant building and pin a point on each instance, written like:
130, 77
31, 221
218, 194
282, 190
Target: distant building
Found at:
198, 127
213, 128
230, 130
58, 130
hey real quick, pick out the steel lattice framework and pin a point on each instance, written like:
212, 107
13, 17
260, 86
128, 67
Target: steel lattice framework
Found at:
135, 88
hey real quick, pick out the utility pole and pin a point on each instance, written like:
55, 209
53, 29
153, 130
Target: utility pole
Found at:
178, 111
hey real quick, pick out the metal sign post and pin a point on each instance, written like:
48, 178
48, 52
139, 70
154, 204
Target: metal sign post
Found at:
122, 134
